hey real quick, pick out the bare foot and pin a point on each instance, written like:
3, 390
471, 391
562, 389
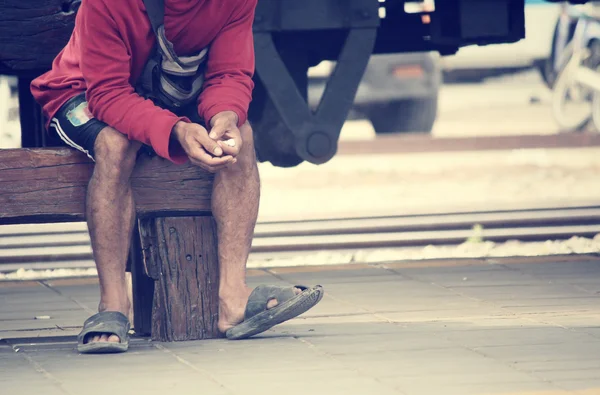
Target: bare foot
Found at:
107, 337
232, 306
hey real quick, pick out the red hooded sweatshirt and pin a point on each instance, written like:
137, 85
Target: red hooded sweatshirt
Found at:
109, 47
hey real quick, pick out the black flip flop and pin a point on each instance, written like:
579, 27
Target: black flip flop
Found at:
258, 318
110, 322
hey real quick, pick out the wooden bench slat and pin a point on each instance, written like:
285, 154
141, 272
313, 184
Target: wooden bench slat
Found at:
49, 185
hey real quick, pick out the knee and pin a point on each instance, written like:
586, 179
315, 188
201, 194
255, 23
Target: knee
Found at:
115, 154
247, 154
246, 164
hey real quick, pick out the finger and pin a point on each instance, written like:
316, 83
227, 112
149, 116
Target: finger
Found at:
232, 150
204, 157
236, 136
209, 144
217, 132
199, 136
233, 138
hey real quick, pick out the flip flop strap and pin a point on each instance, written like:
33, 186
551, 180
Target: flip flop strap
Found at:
111, 322
261, 295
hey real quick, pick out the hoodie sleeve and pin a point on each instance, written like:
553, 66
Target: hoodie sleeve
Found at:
230, 67
106, 65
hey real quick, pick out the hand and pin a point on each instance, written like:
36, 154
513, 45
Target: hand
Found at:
201, 150
225, 132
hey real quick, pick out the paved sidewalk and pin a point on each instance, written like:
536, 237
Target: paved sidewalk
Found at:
503, 327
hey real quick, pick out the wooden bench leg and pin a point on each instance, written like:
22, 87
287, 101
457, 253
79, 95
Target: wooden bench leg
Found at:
143, 288
180, 254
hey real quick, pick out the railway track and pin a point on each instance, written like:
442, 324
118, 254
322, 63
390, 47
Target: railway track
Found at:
423, 143
68, 245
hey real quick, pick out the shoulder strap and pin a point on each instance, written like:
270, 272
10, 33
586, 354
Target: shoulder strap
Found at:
156, 13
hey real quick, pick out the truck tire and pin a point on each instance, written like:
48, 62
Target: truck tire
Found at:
410, 115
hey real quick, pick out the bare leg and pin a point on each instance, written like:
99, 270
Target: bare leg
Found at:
111, 216
235, 200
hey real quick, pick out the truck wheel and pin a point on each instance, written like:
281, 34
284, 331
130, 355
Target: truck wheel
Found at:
412, 115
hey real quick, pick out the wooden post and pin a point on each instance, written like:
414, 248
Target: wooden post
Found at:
180, 253
143, 288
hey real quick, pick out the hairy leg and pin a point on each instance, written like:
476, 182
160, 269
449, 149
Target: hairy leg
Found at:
235, 203
111, 216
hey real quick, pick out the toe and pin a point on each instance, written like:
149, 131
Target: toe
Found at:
272, 303
104, 337
297, 291
114, 339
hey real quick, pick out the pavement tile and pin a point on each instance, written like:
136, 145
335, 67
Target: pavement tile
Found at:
570, 319
451, 270
68, 283
491, 337
562, 269
291, 382
469, 315
510, 292
561, 365
143, 368
592, 331
493, 276
149, 381
438, 264
389, 296
375, 331
591, 286
580, 387
333, 274
544, 352
257, 355
570, 375
22, 385
335, 326
574, 302
41, 312
78, 290
423, 362
428, 386
19, 376
26, 320
346, 345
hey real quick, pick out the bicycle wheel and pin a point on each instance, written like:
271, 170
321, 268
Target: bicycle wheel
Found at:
571, 102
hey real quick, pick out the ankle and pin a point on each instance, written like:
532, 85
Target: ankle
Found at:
232, 286
229, 292
122, 305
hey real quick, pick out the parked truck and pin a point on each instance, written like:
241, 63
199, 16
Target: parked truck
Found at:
290, 37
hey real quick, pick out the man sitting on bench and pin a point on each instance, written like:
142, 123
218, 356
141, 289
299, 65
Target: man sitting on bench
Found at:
174, 80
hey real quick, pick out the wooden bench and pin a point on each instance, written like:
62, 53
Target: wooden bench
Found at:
173, 259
